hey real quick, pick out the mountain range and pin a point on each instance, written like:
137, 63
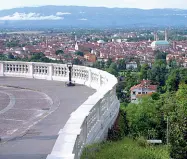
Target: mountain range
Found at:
90, 17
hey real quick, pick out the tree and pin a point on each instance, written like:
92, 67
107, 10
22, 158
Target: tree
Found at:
10, 56
39, 57
113, 66
172, 63
173, 81
131, 79
79, 53
119, 90
160, 55
178, 134
175, 77
112, 71
76, 61
58, 52
142, 117
155, 96
97, 64
108, 63
158, 73
121, 64
88, 39
12, 44
144, 71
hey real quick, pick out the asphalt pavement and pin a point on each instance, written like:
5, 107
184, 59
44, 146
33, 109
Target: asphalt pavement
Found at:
31, 114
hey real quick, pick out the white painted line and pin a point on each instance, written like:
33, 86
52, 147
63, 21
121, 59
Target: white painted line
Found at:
10, 132
11, 103
30, 109
12, 119
31, 98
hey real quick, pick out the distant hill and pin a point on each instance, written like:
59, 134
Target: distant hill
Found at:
77, 16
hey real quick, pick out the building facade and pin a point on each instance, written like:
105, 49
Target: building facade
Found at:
142, 89
160, 45
131, 65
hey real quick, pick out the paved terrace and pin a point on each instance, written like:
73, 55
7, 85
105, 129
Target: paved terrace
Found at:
31, 114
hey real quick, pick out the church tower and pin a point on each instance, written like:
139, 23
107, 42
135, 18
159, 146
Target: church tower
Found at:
157, 38
154, 36
166, 35
46, 42
76, 46
75, 38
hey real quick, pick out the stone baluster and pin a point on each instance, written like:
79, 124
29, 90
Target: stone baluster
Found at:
22, 68
76, 148
40, 70
108, 100
19, 68
85, 130
10, 68
98, 110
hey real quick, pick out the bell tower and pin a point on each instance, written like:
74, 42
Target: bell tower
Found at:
76, 46
166, 35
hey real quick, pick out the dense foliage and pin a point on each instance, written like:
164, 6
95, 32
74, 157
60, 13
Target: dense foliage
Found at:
153, 114
161, 116
149, 117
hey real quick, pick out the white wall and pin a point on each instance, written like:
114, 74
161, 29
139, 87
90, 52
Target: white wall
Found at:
137, 90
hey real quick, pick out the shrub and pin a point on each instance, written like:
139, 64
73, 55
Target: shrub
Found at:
142, 142
120, 128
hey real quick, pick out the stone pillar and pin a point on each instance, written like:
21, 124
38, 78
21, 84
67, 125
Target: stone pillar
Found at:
88, 83
99, 80
1, 69
31, 70
50, 74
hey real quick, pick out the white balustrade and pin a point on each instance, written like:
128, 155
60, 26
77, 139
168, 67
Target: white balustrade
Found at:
91, 121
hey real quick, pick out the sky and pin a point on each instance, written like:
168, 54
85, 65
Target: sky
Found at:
144, 4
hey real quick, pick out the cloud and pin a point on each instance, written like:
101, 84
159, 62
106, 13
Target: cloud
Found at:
30, 16
61, 13
84, 19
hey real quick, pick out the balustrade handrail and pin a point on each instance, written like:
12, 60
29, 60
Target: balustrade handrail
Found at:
91, 121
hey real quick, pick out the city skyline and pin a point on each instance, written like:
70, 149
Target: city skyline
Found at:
143, 4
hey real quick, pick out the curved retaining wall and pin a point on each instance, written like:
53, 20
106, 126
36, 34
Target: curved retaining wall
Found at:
91, 121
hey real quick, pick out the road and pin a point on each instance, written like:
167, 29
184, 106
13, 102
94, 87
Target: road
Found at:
31, 114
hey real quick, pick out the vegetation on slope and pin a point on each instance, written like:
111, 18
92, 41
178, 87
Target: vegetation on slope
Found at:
151, 117
125, 149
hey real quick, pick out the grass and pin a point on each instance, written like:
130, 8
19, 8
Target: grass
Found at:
125, 149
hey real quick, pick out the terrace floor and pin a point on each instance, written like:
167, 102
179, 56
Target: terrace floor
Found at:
31, 114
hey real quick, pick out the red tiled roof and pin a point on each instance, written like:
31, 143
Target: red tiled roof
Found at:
144, 84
